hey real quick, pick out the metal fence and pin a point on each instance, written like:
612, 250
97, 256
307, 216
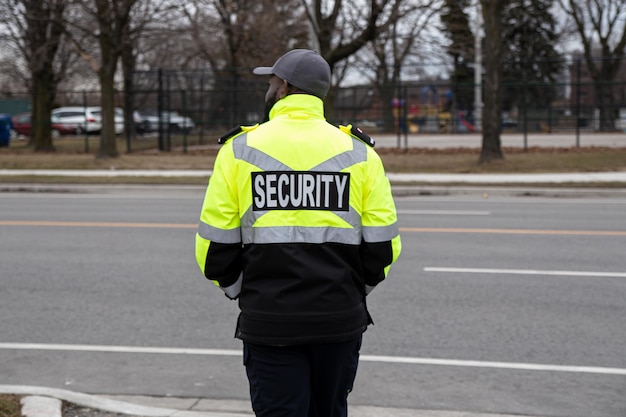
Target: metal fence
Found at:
216, 105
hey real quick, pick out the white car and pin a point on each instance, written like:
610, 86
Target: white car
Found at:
179, 123
118, 116
149, 121
87, 119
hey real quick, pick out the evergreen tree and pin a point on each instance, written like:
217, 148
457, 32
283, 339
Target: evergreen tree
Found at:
461, 48
531, 63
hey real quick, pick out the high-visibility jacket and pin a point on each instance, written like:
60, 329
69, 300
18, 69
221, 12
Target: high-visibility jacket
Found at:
299, 224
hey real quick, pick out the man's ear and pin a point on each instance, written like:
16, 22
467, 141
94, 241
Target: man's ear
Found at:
283, 90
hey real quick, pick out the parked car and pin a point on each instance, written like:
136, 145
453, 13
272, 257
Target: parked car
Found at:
508, 122
87, 119
118, 117
179, 123
142, 125
82, 117
148, 121
22, 126
136, 123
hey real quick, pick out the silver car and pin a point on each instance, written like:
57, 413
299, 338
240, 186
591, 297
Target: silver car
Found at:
87, 119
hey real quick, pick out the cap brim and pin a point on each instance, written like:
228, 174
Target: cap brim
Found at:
262, 71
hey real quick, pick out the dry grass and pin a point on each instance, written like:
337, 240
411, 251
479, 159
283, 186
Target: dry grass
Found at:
70, 154
516, 160
10, 406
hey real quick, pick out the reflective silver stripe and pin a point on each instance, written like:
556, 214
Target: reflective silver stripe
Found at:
214, 234
343, 160
380, 233
233, 291
301, 234
351, 217
255, 157
266, 162
287, 234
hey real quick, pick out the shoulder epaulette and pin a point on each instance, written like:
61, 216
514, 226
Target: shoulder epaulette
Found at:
358, 133
235, 131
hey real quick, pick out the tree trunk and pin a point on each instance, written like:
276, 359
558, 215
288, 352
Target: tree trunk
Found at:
329, 105
106, 74
42, 99
108, 140
44, 28
128, 68
606, 103
387, 93
492, 17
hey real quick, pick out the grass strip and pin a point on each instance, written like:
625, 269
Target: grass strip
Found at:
10, 405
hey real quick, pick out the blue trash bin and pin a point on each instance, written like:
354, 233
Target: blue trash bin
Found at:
6, 125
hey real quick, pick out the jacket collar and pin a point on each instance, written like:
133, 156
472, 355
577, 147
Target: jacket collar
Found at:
298, 105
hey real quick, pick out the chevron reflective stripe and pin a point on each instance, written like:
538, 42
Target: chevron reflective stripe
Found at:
302, 234
214, 234
255, 157
380, 233
346, 159
268, 163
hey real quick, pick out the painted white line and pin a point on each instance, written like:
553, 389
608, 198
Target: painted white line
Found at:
366, 358
526, 272
120, 349
446, 212
500, 365
108, 173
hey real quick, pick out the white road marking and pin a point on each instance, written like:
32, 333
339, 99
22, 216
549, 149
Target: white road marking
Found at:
365, 358
526, 272
447, 212
500, 365
120, 349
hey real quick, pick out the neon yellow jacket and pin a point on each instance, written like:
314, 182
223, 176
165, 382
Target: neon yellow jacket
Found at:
299, 224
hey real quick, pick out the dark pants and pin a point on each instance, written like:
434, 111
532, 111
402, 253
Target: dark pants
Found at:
301, 381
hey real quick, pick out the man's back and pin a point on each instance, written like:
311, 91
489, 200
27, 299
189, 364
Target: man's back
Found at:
299, 224
302, 186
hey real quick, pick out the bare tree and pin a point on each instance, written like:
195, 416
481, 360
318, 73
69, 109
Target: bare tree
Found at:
14, 73
106, 21
492, 13
142, 17
601, 27
333, 29
339, 32
235, 35
36, 27
395, 45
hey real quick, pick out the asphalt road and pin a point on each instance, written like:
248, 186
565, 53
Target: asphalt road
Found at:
497, 305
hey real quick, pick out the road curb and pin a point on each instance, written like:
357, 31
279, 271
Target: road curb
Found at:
36, 406
47, 402
40, 395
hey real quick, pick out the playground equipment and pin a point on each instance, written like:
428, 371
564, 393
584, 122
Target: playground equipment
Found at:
434, 113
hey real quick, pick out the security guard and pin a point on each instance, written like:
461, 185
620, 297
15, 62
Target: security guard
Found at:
299, 225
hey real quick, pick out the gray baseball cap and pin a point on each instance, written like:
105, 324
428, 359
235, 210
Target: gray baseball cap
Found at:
302, 68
